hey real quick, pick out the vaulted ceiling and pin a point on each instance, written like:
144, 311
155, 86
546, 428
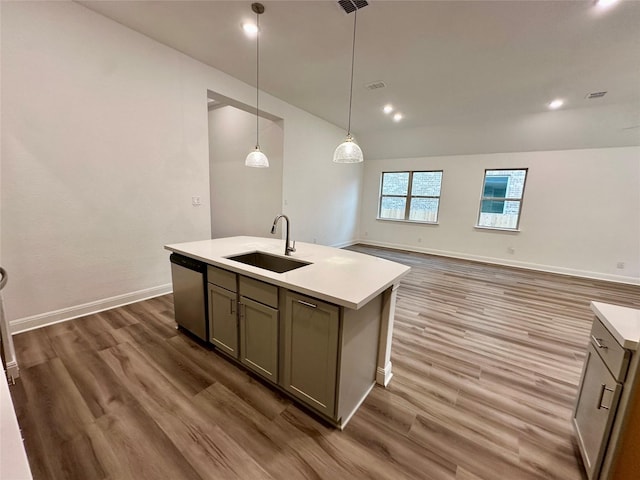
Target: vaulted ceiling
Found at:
468, 76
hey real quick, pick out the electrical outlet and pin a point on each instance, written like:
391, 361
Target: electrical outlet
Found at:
620, 265
419, 239
366, 234
511, 250
195, 201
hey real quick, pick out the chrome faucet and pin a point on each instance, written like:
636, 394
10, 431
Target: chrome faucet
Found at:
287, 249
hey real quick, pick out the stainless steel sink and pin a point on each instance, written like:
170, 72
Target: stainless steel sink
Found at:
267, 261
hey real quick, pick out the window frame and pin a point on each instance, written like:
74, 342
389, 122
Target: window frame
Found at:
408, 197
502, 199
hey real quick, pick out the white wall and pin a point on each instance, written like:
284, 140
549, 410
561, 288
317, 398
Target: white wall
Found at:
104, 142
321, 197
580, 214
244, 201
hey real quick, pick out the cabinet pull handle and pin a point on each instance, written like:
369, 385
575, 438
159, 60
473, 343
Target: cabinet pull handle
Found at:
603, 388
231, 302
307, 304
597, 342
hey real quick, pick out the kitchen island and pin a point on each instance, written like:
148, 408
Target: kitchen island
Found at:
320, 332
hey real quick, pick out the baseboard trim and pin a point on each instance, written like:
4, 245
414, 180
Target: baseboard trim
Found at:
383, 375
12, 371
345, 244
508, 263
25, 324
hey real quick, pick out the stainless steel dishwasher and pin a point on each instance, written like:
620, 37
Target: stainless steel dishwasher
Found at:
189, 294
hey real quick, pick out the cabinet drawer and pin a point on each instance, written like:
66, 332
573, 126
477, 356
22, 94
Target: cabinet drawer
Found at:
222, 278
259, 291
615, 357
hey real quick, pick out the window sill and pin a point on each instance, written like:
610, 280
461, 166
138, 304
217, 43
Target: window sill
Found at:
398, 220
510, 230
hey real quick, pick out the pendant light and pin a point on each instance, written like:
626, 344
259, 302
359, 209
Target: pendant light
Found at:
256, 158
349, 151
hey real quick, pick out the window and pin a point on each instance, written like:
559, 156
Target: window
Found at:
501, 200
410, 196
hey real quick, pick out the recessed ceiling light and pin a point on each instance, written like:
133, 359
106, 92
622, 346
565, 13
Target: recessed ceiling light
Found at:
388, 109
397, 117
251, 29
605, 3
555, 104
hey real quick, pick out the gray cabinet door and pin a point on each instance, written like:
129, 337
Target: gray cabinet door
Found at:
259, 338
223, 320
311, 334
595, 409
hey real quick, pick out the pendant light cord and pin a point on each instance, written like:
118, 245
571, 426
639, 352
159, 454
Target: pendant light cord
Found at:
353, 54
257, 75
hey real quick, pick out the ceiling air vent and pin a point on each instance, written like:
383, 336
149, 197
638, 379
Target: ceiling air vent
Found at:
352, 5
595, 95
375, 85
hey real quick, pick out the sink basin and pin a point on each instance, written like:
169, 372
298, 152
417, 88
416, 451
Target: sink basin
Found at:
267, 261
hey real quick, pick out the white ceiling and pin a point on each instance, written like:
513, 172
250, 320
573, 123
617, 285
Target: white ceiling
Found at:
469, 76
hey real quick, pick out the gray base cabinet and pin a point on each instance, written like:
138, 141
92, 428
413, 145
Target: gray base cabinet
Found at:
259, 327
329, 354
223, 322
311, 331
259, 338
595, 410
223, 318
323, 355
606, 417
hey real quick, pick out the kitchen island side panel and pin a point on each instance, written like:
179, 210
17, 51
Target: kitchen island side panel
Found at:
359, 356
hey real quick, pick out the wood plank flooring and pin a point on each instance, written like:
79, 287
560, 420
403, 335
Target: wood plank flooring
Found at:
486, 364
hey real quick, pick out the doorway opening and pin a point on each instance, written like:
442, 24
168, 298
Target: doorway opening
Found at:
243, 200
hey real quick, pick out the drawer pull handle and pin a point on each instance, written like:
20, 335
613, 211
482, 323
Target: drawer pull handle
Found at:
597, 342
604, 388
307, 304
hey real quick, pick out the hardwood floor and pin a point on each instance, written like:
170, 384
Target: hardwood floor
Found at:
487, 361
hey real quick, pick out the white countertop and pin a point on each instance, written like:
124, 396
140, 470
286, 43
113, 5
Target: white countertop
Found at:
622, 322
346, 278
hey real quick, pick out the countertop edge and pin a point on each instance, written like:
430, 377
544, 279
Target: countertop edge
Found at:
599, 309
255, 272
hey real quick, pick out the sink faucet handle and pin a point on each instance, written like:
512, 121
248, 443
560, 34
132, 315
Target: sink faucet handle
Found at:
293, 246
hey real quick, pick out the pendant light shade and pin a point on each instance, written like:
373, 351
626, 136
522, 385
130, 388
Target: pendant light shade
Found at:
256, 158
349, 151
